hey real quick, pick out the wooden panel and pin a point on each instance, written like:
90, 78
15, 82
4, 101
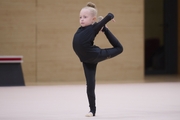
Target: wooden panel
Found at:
127, 12
29, 71
42, 31
17, 21
64, 70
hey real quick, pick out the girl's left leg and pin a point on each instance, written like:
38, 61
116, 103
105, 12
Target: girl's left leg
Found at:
109, 52
90, 72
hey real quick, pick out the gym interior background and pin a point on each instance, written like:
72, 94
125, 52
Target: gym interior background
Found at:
42, 32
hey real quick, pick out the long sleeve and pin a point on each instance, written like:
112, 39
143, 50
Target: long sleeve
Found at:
98, 26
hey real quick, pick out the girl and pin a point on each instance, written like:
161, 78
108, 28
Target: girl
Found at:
89, 54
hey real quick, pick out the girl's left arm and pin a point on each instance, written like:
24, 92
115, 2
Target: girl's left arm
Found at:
98, 26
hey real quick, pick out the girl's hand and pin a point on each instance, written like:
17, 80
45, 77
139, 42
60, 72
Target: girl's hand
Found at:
113, 20
107, 26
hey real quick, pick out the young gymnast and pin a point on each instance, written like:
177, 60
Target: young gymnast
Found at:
89, 54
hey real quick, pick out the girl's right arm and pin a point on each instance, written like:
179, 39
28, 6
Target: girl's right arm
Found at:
98, 26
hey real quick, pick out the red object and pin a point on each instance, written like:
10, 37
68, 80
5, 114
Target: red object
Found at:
11, 59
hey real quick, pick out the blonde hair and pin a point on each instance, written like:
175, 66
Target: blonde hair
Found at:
92, 7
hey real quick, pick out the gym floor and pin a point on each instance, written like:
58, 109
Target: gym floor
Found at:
115, 101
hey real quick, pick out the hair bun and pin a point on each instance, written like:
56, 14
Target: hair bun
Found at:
100, 18
90, 4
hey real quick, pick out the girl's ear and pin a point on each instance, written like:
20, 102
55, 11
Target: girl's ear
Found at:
94, 18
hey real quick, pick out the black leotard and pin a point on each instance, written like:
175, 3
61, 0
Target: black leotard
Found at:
83, 41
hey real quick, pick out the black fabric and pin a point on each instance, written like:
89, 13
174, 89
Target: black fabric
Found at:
90, 55
109, 52
90, 73
83, 41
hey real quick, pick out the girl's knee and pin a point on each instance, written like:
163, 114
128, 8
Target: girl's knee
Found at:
120, 50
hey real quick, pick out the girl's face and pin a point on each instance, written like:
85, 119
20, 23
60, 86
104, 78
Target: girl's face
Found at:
86, 17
